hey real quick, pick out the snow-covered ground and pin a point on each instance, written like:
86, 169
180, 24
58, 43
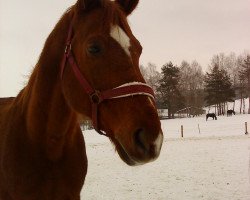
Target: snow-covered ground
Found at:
213, 164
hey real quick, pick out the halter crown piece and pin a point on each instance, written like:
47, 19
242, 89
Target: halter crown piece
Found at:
97, 97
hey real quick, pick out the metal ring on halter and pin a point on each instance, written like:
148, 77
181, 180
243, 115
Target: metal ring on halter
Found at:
95, 97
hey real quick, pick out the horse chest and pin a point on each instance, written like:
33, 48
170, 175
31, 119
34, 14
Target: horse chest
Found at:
39, 180
27, 174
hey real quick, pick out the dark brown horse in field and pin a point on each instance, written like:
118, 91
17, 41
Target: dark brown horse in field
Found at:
230, 112
89, 67
212, 115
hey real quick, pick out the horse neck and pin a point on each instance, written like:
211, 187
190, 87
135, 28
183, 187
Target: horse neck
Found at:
48, 117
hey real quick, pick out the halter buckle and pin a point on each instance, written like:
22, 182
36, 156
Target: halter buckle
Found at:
95, 97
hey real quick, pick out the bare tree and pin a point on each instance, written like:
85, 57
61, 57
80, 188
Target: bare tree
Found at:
191, 83
229, 63
245, 77
152, 77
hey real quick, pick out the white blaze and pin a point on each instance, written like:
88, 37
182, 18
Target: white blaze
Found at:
121, 37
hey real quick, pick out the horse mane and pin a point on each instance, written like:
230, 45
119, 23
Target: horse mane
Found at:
25, 94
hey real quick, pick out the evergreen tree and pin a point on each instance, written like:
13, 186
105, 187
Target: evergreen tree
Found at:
218, 88
171, 96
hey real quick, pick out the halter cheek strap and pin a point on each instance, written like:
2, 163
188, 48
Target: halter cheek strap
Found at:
97, 97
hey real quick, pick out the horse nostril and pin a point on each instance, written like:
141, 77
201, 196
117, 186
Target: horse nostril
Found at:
140, 139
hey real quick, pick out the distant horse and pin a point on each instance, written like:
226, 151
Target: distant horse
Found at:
88, 67
230, 112
211, 115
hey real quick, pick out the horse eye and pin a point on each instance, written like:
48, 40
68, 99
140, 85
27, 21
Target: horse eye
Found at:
94, 49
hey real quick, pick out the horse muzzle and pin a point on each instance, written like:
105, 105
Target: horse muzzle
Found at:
143, 149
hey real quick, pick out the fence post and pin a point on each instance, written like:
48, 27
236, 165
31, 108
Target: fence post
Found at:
246, 128
199, 129
181, 130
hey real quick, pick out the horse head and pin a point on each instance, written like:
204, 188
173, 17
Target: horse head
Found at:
107, 55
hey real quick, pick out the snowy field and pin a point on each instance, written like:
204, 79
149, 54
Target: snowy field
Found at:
212, 164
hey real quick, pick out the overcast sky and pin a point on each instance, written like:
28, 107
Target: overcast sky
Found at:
169, 30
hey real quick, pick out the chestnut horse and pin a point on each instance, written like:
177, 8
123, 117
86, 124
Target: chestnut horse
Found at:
89, 67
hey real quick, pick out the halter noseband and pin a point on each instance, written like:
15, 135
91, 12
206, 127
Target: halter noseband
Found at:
97, 97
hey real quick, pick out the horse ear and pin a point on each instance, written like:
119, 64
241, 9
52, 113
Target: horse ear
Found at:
86, 5
128, 6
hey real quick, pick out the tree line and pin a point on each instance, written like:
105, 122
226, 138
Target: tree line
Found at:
186, 85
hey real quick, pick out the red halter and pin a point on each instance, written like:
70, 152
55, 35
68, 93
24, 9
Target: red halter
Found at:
96, 97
